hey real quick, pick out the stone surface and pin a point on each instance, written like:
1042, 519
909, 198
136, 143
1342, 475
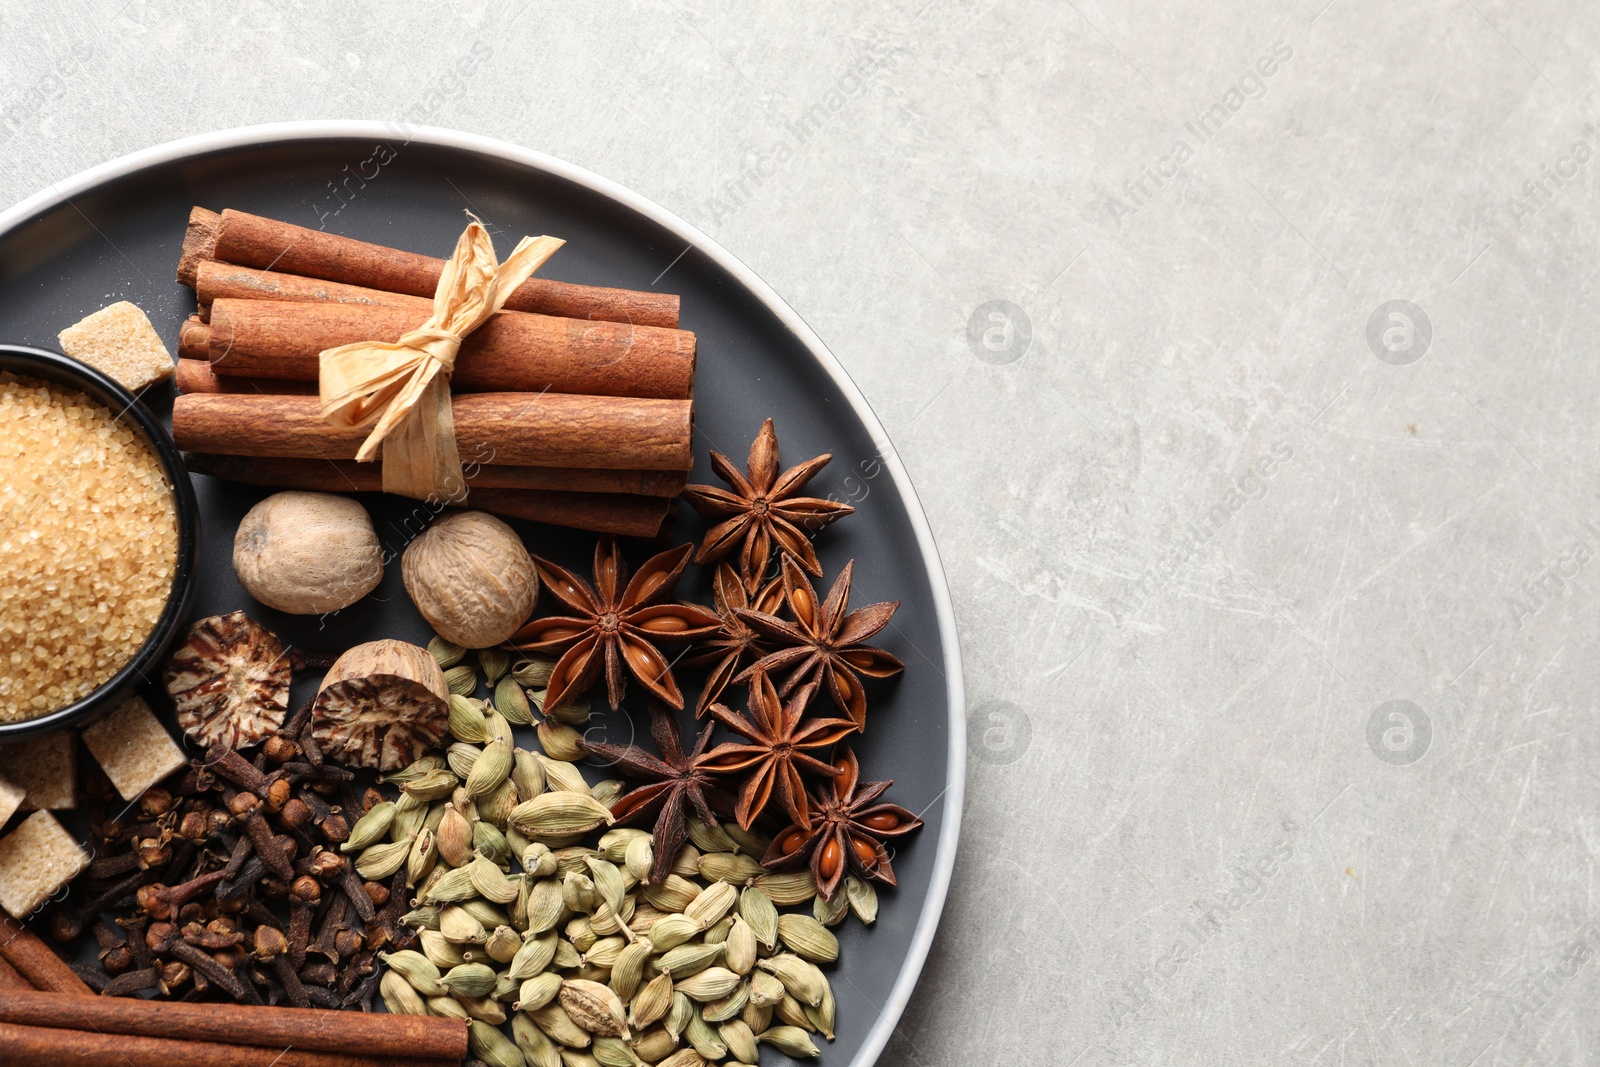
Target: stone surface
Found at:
1197, 829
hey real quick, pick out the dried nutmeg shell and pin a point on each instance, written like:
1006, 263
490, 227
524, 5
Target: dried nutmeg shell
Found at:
382, 705
471, 578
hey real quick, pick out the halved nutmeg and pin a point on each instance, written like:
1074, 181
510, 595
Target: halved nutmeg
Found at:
229, 681
382, 705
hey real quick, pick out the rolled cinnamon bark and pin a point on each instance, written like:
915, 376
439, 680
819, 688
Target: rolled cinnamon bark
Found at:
215, 280
512, 352
41, 1046
517, 429
405, 1036
253, 241
37, 961
196, 376
348, 476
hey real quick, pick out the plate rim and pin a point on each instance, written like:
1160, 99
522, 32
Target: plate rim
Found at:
240, 137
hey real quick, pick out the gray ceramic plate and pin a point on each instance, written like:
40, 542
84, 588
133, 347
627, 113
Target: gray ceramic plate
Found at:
113, 233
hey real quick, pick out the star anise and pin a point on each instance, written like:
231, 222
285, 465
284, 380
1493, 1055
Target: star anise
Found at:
733, 645
614, 630
677, 782
847, 833
824, 642
780, 741
763, 508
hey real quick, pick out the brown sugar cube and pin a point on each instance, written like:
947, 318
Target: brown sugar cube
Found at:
36, 859
11, 796
133, 748
46, 768
119, 342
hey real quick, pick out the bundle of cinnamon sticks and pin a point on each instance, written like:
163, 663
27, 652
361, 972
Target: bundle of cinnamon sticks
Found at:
48, 1016
573, 406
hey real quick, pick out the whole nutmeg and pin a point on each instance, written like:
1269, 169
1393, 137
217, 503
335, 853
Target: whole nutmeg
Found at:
471, 579
307, 553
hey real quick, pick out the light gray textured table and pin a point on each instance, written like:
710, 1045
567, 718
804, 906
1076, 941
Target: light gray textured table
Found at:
1207, 500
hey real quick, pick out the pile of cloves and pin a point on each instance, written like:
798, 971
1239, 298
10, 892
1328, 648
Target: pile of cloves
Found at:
227, 882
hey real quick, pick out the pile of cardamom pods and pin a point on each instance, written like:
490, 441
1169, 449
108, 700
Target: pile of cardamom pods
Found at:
532, 908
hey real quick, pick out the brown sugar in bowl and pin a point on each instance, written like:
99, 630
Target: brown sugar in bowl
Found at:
139, 659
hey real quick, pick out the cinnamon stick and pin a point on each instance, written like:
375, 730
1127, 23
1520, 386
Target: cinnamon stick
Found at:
40, 1046
417, 1037
215, 280
348, 476
624, 514
519, 429
11, 978
37, 961
253, 241
513, 352
196, 376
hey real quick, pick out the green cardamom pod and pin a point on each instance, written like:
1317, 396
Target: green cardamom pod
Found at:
672, 893
495, 662
446, 1007
512, 702
370, 828
765, 990
381, 861
489, 880
566, 956
708, 838
443, 953
608, 882
562, 775
728, 1007
741, 948
578, 892
462, 757
456, 885
824, 1015
416, 969
800, 978
557, 813
484, 1009
791, 1012
538, 991
703, 1039
594, 1007
560, 741
603, 953
421, 858
533, 673
554, 1021
685, 960
469, 980
863, 898
808, 938
729, 867
538, 860
757, 1016
655, 1044
678, 1015
609, 791
447, 653
790, 1040
411, 772
830, 912
409, 814
527, 772
459, 926
545, 905
719, 931
687, 865
539, 1049
671, 931
615, 841
455, 837
739, 1040
788, 888
505, 988
614, 1052
462, 680
628, 969
756, 908
709, 984
490, 915
399, 997
490, 841
494, 1048
503, 944
711, 904
466, 720
423, 918
435, 785
639, 856
749, 842
491, 770
651, 1003
534, 956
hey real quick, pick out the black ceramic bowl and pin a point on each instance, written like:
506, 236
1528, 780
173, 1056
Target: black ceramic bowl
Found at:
146, 663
